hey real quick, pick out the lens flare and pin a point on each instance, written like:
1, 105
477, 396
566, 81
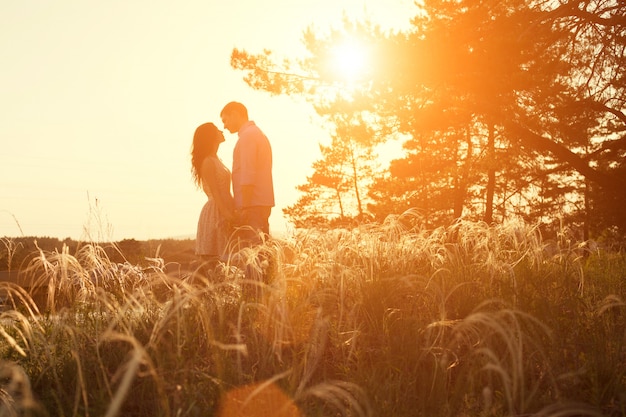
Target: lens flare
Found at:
350, 59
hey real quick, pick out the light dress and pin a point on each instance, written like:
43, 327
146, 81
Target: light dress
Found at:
213, 230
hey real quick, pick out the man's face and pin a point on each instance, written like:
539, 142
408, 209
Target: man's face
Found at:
230, 122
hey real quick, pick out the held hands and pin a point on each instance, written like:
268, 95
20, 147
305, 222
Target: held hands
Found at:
229, 219
241, 216
236, 217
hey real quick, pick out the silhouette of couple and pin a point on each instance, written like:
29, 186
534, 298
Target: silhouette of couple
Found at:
229, 222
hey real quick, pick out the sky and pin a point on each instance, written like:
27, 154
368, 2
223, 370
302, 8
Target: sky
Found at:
100, 98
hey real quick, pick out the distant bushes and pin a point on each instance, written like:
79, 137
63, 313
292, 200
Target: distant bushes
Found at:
16, 253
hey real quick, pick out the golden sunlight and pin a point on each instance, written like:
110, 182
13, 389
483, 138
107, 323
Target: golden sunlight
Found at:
350, 59
258, 400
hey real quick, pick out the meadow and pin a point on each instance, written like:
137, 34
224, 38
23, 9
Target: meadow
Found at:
378, 320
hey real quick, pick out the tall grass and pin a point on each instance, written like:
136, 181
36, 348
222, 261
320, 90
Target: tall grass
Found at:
387, 320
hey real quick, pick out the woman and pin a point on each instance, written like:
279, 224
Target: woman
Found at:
210, 174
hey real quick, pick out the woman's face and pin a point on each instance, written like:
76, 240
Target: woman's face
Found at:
215, 140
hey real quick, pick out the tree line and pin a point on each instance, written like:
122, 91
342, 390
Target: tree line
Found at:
17, 253
505, 109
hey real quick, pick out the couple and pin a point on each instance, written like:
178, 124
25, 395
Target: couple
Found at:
241, 217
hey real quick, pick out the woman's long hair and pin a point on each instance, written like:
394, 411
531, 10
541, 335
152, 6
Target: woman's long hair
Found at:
206, 140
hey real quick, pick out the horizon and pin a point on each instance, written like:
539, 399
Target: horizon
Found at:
96, 117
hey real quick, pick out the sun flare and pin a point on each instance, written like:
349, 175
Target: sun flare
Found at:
350, 59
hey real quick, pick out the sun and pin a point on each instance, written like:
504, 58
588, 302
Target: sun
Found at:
350, 60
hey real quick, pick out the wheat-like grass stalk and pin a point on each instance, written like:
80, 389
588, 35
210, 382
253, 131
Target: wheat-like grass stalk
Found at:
128, 372
394, 302
569, 409
505, 343
11, 248
15, 297
24, 327
344, 398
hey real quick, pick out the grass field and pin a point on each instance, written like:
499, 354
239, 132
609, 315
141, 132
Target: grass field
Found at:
386, 320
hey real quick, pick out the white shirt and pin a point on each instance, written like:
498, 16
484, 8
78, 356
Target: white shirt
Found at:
252, 165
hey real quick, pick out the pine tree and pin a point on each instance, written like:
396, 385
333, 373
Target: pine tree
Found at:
511, 107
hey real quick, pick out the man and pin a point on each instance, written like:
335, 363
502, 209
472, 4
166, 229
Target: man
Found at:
253, 188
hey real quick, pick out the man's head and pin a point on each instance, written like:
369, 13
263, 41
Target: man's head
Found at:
234, 115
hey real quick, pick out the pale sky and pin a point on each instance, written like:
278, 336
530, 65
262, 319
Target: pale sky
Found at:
100, 99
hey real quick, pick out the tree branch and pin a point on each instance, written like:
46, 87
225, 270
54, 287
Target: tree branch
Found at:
571, 9
540, 143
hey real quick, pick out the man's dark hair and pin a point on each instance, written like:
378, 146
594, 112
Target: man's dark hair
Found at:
235, 107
